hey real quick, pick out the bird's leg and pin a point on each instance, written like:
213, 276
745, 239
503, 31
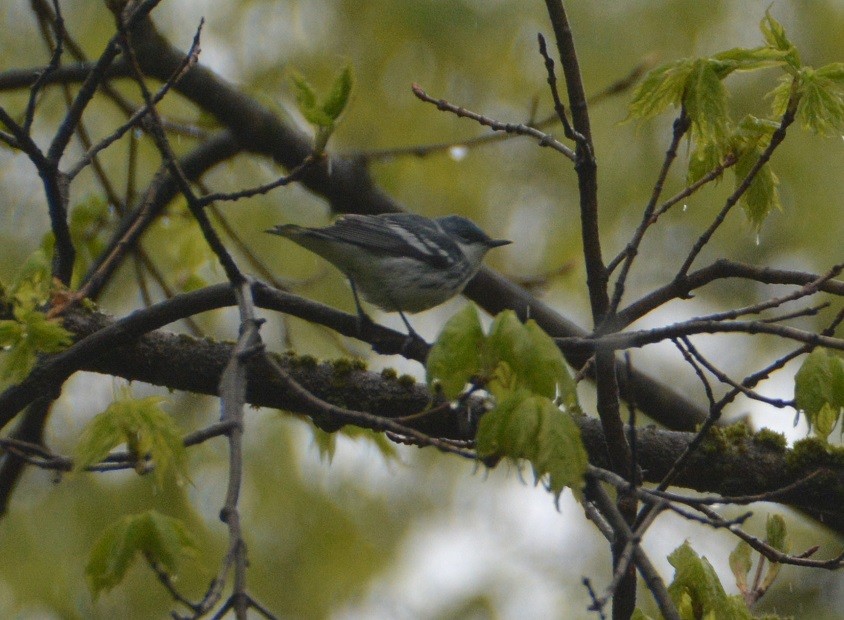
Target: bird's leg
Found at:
410, 331
364, 321
412, 336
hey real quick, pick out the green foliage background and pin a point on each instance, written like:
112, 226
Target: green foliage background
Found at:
328, 538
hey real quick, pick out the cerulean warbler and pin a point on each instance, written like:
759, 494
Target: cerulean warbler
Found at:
399, 262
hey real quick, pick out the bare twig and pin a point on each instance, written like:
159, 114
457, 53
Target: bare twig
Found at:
52, 66
681, 126
423, 150
543, 139
135, 119
720, 270
641, 338
723, 378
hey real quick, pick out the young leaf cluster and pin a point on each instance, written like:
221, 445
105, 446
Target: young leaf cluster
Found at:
741, 561
143, 426
697, 592
696, 85
696, 587
819, 390
323, 114
533, 392
29, 333
161, 539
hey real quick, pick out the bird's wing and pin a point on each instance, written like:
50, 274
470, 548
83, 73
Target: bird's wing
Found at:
389, 234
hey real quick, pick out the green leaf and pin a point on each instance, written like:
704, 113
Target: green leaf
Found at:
506, 349
776, 533
531, 427
821, 107
834, 72
559, 452
146, 430
705, 99
777, 537
457, 354
762, 195
161, 539
532, 356
703, 159
660, 88
754, 132
10, 333
740, 564
685, 607
826, 420
28, 335
46, 335
338, 97
781, 95
776, 38
696, 587
32, 283
745, 59
546, 370
506, 340
503, 433
323, 115
306, 101
818, 384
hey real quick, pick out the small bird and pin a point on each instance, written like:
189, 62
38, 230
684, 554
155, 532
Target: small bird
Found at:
400, 262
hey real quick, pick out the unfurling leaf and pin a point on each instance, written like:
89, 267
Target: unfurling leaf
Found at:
143, 426
163, 540
826, 420
27, 335
323, 115
747, 59
775, 37
337, 99
661, 88
821, 106
696, 587
702, 160
705, 99
762, 195
306, 101
740, 564
775, 533
777, 537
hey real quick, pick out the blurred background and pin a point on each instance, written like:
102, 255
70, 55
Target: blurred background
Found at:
410, 533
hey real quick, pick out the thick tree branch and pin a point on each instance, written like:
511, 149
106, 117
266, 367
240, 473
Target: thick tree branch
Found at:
743, 465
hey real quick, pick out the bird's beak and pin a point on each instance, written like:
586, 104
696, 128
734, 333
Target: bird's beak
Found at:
497, 243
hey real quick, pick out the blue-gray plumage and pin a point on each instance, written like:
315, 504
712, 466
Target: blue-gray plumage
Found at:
399, 262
